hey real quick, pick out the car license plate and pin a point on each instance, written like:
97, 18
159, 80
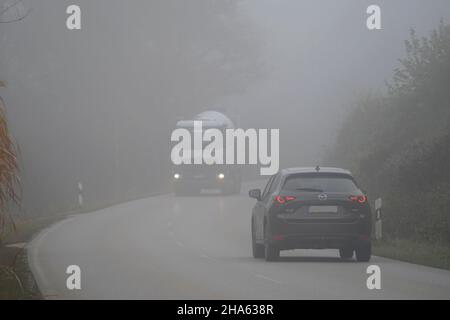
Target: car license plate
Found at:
323, 209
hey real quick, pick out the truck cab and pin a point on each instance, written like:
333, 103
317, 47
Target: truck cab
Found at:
189, 179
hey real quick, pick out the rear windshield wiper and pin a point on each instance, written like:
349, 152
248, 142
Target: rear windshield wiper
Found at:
309, 189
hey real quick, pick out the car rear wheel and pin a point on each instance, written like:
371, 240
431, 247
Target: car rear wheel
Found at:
363, 251
228, 188
346, 253
271, 252
258, 249
179, 191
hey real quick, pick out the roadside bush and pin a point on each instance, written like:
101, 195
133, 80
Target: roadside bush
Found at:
398, 145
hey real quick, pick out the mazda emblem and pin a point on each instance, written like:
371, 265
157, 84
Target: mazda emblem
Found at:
322, 196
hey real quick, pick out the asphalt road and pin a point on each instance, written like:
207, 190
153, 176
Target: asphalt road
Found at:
168, 247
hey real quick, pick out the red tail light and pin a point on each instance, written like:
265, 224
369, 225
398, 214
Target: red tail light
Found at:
278, 237
284, 199
360, 199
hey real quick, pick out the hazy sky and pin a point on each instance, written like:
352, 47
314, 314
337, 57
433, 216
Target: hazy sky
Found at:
97, 105
318, 56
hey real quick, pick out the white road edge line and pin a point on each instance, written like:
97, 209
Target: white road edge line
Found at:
33, 253
267, 278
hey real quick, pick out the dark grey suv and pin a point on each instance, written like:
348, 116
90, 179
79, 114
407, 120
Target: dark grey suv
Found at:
311, 208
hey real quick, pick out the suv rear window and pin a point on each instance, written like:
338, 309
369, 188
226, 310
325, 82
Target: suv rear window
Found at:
314, 182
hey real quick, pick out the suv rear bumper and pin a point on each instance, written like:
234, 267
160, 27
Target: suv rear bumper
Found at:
323, 235
318, 242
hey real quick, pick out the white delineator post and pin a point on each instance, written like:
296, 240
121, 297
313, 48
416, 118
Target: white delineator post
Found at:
378, 221
80, 194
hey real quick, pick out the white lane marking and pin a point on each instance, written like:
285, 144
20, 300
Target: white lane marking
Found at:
33, 249
267, 278
19, 245
33, 256
205, 256
171, 233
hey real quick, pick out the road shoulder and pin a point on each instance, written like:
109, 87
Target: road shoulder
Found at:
17, 281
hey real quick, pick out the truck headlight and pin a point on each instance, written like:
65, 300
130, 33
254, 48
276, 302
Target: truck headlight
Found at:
221, 176
177, 176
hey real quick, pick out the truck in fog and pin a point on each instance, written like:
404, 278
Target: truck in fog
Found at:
192, 178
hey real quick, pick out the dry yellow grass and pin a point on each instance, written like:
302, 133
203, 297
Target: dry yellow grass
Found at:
9, 177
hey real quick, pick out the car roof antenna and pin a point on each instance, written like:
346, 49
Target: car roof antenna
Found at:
317, 168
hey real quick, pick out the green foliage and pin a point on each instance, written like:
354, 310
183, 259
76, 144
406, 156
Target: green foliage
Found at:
398, 145
433, 255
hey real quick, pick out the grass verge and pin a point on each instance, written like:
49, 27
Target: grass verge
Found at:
16, 279
432, 255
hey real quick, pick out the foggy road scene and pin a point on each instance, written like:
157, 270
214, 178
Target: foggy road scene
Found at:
224, 150
198, 248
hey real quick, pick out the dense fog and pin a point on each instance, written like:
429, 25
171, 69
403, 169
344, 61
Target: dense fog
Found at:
96, 106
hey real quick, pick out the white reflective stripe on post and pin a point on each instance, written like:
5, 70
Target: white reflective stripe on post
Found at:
378, 221
378, 204
378, 230
80, 194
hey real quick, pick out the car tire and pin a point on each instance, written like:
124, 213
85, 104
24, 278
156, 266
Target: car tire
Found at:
271, 252
258, 249
227, 188
179, 192
346, 253
363, 251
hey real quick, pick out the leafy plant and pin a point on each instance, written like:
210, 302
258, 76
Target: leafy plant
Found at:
398, 144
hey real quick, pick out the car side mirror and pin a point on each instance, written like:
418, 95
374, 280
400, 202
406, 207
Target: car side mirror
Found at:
255, 194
